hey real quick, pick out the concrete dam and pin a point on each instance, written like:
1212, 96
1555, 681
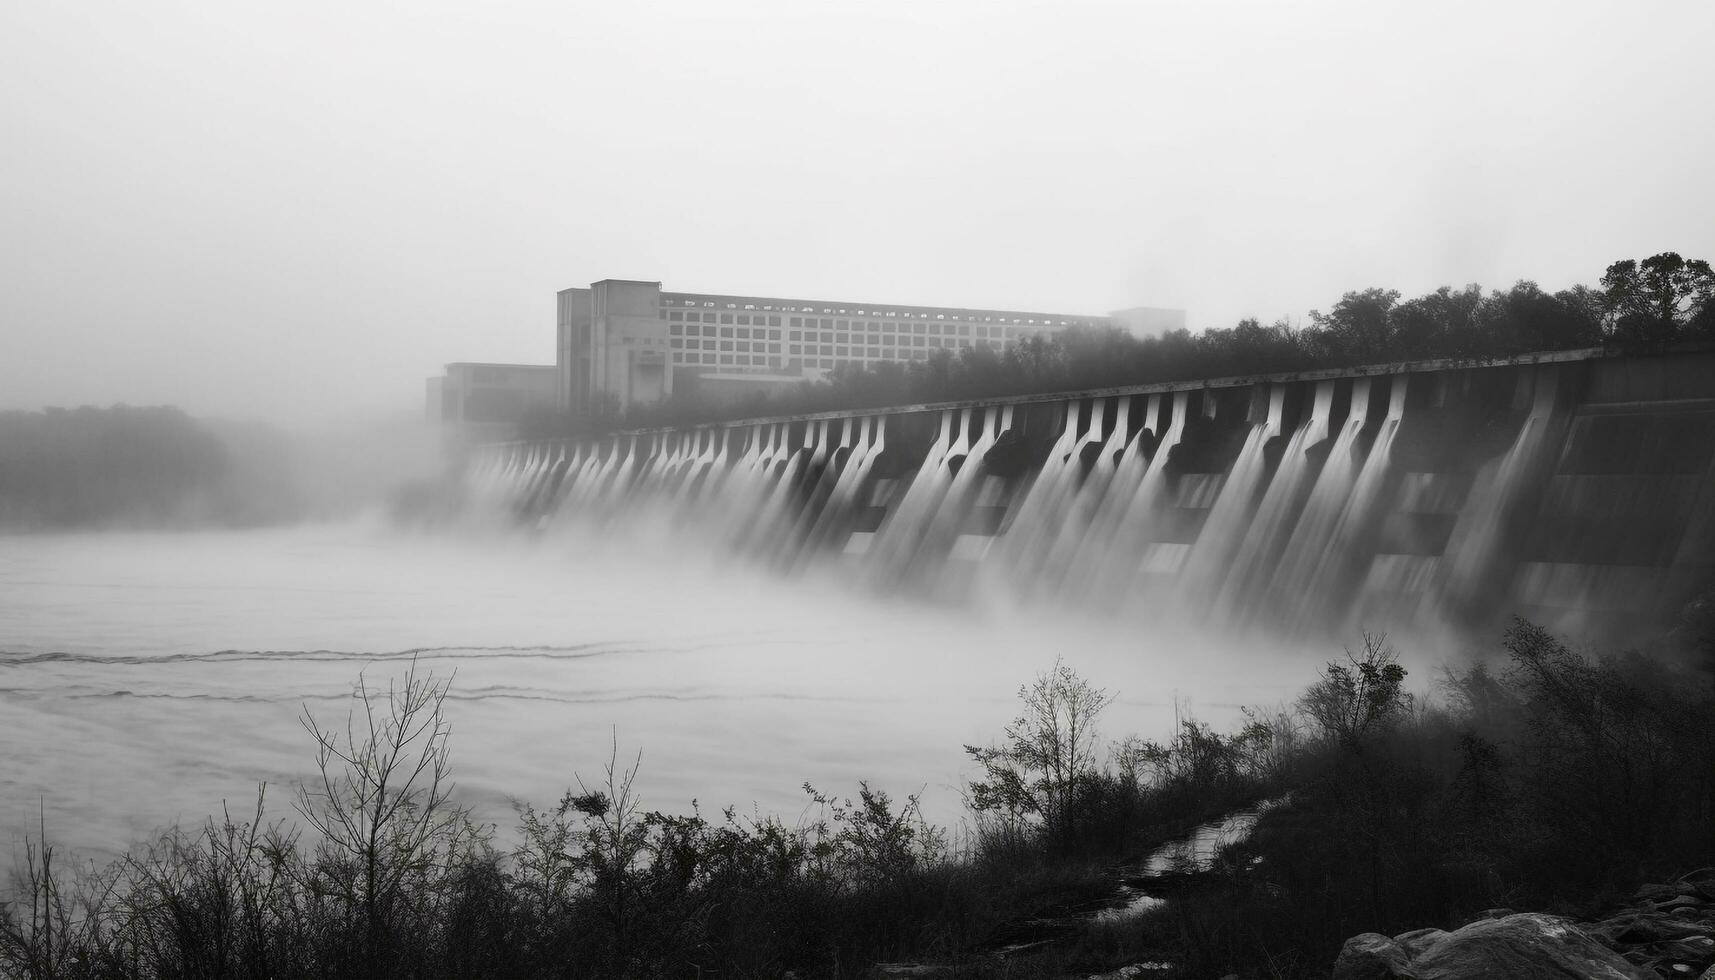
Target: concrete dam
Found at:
1575, 488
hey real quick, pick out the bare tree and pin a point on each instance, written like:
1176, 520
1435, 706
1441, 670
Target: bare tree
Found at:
1049, 753
382, 802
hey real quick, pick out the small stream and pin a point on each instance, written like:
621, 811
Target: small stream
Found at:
1192, 854
1138, 887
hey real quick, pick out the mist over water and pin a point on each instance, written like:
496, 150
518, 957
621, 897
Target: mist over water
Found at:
148, 677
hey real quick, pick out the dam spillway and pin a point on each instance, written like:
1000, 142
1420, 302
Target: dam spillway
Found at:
1575, 488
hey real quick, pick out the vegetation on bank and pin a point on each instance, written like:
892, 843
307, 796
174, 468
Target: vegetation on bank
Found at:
1638, 305
1548, 782
126, 466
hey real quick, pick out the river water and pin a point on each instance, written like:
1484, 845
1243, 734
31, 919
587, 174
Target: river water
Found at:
146, 678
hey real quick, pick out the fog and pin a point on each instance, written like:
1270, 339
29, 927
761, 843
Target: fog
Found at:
298, 213
151, 676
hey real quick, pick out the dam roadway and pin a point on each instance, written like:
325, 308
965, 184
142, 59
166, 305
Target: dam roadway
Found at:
1576, 488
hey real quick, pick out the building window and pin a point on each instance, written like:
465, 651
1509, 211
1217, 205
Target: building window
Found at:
675, 342
726, 345
742, 318
827, 362
794, 349
797, 321
744, 345
875, 352
827, 336
708, 318
744, 331
774, 321
773, 335
843, 351
676, 315
795, 335
841, 338
726, 331
708, 345
726, 317
726, 358
676, 329
934, 341
826, 349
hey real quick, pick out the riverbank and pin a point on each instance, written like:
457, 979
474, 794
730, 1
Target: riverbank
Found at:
1403, 814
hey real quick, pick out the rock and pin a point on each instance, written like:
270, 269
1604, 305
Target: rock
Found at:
1679, 902
1629, 930
1417, 940
1372, 956
1495, 913
912, 970
1133, 971
1523, 946
1694, 949
1708, 974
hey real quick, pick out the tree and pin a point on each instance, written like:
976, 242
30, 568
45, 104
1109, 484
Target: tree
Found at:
382, 802
1357, 329
1049, 754
1360, 698
1660, 300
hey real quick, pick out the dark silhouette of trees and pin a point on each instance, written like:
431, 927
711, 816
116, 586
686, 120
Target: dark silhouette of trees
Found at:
1640, 305
1660, 300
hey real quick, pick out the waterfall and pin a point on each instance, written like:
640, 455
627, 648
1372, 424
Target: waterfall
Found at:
1270, 529
1317, 570
1030, 535
836, 513
1307, 516
1207, 565
1470, 568
896, 543
1071, 541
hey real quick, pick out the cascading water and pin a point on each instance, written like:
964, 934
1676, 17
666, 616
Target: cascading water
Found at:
1470, 566
1271, 527
1223, 532
1142, 505
1072, 542
900, 537
868, 447
1031, 533
1318, 568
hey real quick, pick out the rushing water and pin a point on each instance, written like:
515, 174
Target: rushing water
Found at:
145, 678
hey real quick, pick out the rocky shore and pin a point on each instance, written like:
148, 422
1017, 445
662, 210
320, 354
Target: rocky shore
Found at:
1664, 930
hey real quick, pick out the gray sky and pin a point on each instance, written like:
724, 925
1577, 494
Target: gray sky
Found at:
297, 211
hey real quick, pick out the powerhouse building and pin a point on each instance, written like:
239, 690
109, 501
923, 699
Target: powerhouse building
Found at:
623, 341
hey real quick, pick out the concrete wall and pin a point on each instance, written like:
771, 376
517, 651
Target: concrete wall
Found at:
1576, 488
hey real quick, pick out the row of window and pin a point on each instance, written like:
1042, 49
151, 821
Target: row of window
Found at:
889, 350
710, 304
837, 332
768, 360
942, 329
695, 331
744, 318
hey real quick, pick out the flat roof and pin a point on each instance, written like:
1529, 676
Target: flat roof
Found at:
500, 364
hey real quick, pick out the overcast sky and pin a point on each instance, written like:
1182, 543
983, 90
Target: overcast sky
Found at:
296, 211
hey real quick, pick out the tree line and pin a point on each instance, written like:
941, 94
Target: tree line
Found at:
128, 466
1639, 305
